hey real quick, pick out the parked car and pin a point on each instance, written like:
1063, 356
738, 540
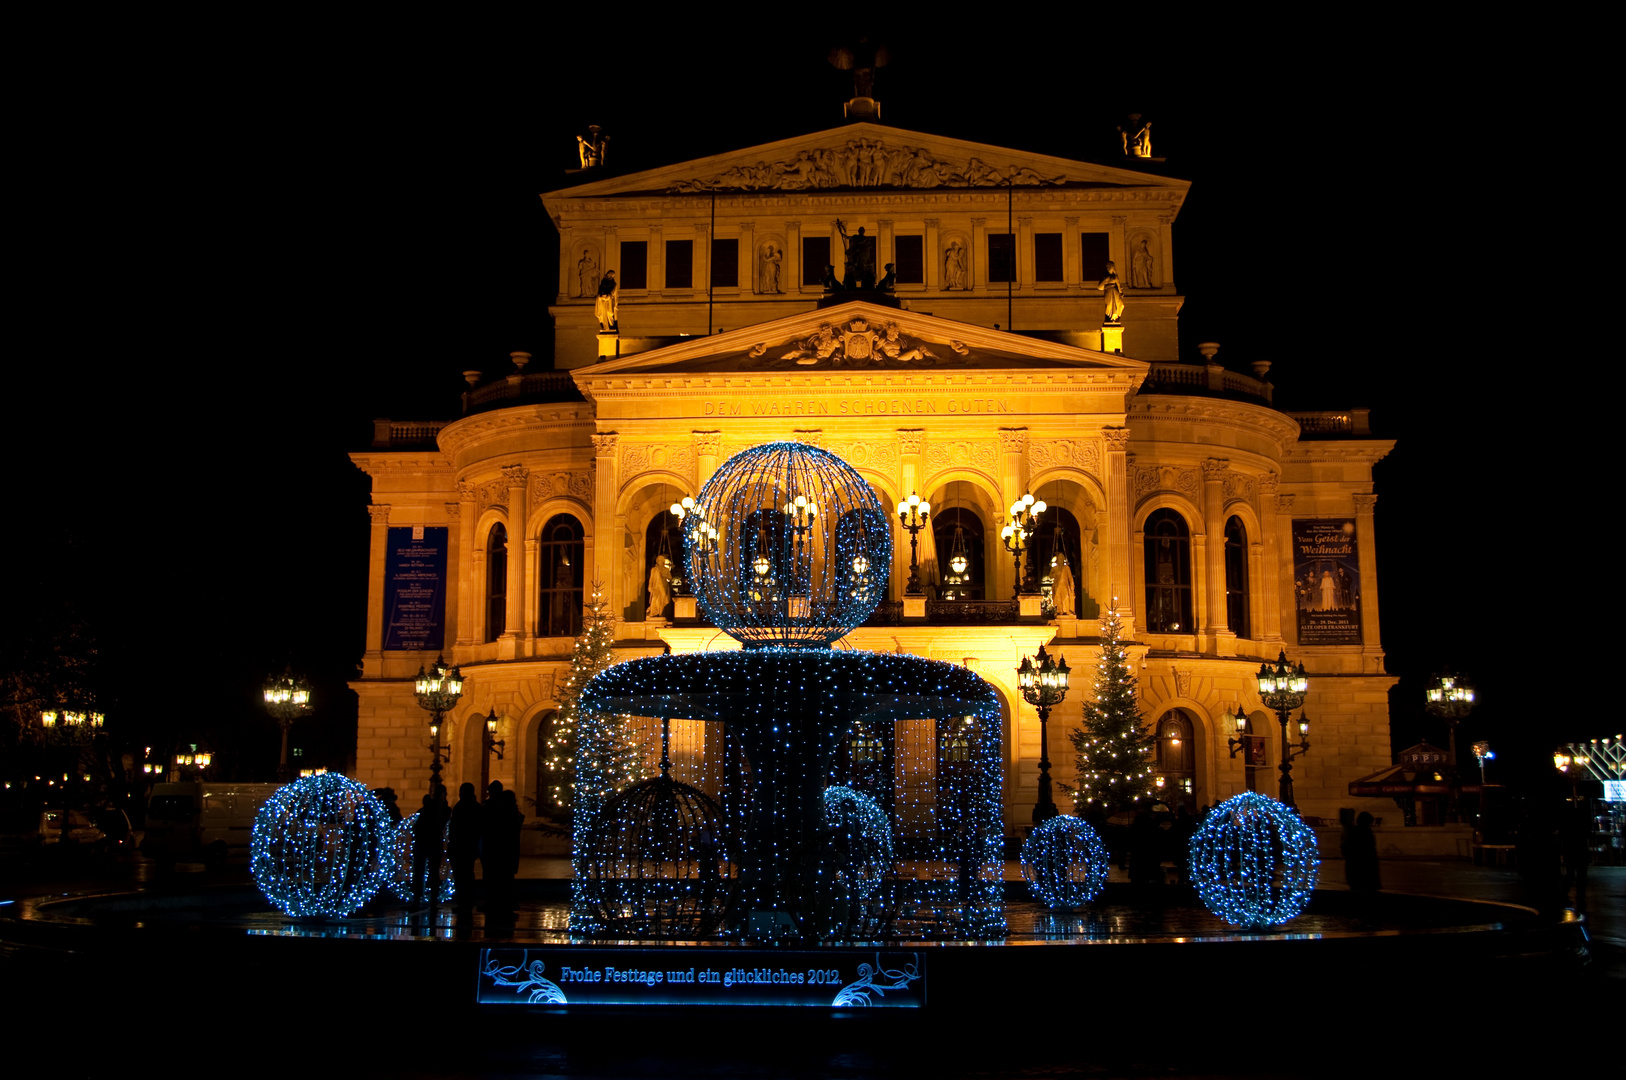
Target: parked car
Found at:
208, 821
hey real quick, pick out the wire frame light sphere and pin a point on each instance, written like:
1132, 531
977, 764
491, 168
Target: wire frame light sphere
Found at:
654, 863
1065, 863
321, 846
851, 883
802, 547
400, 880
1254, 861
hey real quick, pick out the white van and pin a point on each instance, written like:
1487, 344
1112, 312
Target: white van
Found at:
208, 820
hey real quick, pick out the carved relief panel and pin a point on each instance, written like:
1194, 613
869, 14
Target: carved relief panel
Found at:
1153, 478
586, 268
641, 457
572, 485
1145, 260
958, 453
1083, 454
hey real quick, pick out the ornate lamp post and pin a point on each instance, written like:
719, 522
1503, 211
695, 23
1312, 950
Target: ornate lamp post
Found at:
492, 746
287, 698
912, 515
1483, 751
1024, 524
72, 729
1451, 698
438, 690
1044, 684
679, 510
1564, 762
1282, 689
1239, 720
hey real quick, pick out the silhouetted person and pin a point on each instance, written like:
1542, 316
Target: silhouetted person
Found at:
1361, 857
463, 843
1145, 850
1575, 838
500, 820
428, 832
1537, 851
1185, 827
386, 795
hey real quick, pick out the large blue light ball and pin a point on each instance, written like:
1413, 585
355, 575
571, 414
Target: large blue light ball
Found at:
1254, 861
321, 846
400, 876
788, 545
1065, 863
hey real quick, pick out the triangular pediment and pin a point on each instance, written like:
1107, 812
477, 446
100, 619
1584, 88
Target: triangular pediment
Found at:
855, 337
865, 156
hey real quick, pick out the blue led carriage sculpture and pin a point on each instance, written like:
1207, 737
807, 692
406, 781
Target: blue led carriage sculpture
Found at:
857, 794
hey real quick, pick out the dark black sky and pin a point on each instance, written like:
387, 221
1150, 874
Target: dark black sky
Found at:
251, 251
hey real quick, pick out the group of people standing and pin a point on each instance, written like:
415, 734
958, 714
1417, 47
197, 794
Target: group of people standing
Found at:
471, 830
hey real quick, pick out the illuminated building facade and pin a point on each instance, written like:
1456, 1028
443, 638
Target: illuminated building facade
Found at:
1227, 529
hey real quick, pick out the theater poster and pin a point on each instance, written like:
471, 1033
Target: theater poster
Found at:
1326, 581
415, 588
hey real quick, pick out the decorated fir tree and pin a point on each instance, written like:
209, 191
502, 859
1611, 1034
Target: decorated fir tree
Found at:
590, 656
1115, 744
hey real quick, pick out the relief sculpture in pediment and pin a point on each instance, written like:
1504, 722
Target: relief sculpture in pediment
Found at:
857, 344
865, 163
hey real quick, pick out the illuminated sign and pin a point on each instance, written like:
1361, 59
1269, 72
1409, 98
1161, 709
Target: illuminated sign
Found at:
1614, 791
415, 588
822, 978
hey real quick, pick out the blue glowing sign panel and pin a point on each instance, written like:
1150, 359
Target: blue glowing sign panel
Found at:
415, 588
823, 978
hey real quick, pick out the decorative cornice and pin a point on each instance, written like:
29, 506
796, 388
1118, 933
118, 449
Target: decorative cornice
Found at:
604, 444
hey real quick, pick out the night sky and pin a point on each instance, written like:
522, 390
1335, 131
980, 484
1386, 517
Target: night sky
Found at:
251, 257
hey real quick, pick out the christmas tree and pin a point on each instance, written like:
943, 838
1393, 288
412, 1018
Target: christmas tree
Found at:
590, 656
1115, 745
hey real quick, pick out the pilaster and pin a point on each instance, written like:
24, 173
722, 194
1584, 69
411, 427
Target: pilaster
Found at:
1119, 582
1270, 573
373, 661
708, 449
1214, 620
1367, 557
606, 482
934, 272
514, 629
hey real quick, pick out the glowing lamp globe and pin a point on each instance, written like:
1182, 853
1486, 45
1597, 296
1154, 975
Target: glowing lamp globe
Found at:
1065, 863
321, 846
1254, 861
802, 543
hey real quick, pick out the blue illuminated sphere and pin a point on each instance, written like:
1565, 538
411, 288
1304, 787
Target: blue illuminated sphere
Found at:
400, 876
789, 546
1254, 861
321, 846
1065, 863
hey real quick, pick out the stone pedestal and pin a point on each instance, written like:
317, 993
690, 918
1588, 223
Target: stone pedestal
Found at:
683, 607
1030, 605
914, 607
1112, 338
609, 345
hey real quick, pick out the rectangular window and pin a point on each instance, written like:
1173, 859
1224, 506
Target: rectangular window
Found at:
680, 264
634, 264
1094, 253
815, 257
910, 256
1001, 257
725, 264
1047, 256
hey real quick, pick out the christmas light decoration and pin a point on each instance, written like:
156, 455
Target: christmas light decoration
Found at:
770, 728
321, 846
400, 877
1115, 745
590, 656
1254, 861
1065, 863
794, 525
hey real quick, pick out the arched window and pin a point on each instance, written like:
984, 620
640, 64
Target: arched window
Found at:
496, 581
559, 572
1177, 759
958, 531
1168, 574
1236, 577
662, 537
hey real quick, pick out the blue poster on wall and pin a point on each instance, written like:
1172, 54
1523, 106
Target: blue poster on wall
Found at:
415, 588
823, 978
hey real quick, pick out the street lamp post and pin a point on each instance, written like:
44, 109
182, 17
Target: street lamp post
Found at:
72, 729
1282, 689
1024, 523
1044, 683
679, 510
1564, 762
1451, 698
287, 698
492, 746
438, 689
1483, 751
912, 514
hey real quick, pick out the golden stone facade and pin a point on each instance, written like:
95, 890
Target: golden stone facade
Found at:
1181, 483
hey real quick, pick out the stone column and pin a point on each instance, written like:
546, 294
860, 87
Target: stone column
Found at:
606, 542
454, 565
1119, 581
1367, 558
470, 587
700, 265
515, 629
933, 257
748, 259
708, 449
911, 450
1013, 459
792, 274
1025, 270
1215, 621
978, 270
1283, 562
657, 259
883, 247
1072, 257
1269, 574
377, 552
